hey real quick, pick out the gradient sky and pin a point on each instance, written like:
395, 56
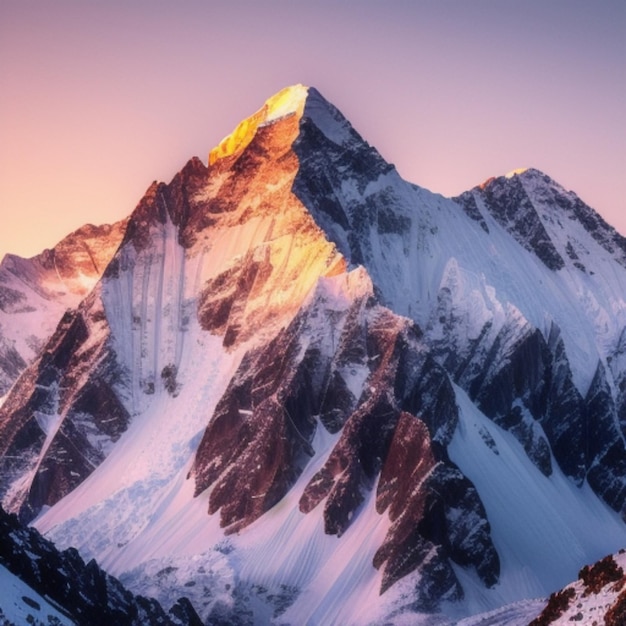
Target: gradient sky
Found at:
98, 99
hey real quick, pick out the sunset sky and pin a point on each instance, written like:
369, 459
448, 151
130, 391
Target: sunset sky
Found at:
98, 99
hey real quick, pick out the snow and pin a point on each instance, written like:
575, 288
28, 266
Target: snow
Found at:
148, 308
146, 464
145, 310
355, 376
588, 608
137, 514
15, 606
332, 575
544, 529
327, 119
515, 172
287, 101
515, 614
491, 271
148, 525
29, 325
36, 295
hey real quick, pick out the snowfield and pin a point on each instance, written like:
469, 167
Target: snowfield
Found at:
19, 604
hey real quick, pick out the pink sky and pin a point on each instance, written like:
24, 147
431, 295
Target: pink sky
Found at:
99, 99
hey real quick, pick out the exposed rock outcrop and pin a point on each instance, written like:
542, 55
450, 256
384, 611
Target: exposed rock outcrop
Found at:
82, 591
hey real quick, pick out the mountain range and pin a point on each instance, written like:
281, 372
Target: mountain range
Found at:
293, 388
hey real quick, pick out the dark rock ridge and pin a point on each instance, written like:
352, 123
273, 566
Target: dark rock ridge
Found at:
617, 365
175, 202
62, 415
524, 383
505, 371
82, 591
509, 203
73, 403
257, 246
395, 411
606, 449
525, 202
468, 203
319, 180
550, 193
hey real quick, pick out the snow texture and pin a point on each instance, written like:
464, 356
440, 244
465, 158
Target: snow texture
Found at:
428, 258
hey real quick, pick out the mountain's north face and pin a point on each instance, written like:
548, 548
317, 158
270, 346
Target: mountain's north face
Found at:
296, 389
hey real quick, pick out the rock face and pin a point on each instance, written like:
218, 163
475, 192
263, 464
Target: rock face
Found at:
509, 203
375, 384
272, 372
528, 202
598, 596
607, 465
83, 592
518, 373
103, 361
63, 415
36, 292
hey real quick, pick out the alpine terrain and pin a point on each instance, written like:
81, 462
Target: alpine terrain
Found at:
293, 388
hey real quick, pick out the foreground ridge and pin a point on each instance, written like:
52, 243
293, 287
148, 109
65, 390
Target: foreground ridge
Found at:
79, 591
600, 591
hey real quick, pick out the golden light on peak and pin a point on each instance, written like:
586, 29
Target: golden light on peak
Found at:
519, 170
485, 183
287, 101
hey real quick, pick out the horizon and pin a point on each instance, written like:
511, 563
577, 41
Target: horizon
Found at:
102, 100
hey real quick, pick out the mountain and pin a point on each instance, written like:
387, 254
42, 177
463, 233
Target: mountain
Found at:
36, 292
305, 390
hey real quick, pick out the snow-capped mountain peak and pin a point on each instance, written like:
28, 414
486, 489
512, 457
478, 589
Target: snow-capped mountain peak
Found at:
288, 101
545, 218
516, 172
302, 382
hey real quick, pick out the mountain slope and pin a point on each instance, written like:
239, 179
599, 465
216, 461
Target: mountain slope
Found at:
289, 246
307, 391
34, 293
67, 589
598, 594
525, 339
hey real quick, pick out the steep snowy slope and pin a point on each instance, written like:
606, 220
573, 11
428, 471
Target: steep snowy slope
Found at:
34, 293
126, 340
535, 345
20, 604
168, 366
306, 391
543, 527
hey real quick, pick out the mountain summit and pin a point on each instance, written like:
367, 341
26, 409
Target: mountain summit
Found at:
304, 390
